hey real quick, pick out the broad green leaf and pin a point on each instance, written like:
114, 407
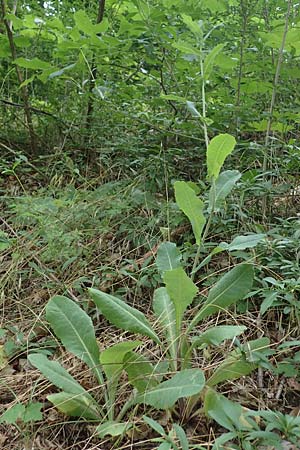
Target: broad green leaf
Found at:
234, 366
181, 290
165, 446
56, 23
112, 357
180, 433
195, 27
112, 428
78, 399
211, 59
33, 412
218, 334
168, 257
16, 21
223, 439
28, 81
218, 149
74, 405
4, 47
164, 310
154, 425
191, 206
75, 330
230, 369
122, 315
83, 22
35, 63
22, 41
222, 187
140, 372
55, 373
231, 288
243, 242
187, 48
270, 298
101, 27
13, 414
214, 5
182, 384
226, 413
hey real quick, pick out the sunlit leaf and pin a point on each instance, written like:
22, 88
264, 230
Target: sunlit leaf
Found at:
218, 149
191, 206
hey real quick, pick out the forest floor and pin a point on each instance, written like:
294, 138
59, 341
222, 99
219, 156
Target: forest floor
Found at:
60, 235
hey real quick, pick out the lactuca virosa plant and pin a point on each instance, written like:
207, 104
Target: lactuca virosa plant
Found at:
162, 384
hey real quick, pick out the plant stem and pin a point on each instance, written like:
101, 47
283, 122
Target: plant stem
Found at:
272, 104
203, 102
206, 230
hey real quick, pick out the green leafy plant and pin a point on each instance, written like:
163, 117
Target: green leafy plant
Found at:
163, 384
246, 428
170, 440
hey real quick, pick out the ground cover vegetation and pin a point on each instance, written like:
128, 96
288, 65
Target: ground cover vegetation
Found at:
149, 229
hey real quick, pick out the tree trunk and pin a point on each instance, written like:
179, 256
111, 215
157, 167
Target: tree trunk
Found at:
24, 91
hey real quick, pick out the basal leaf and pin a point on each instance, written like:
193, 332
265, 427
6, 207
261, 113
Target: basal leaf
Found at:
13, 414
154, 424
141, 373
226, 413
122, 315
56, 373
33, 412
218, 149
191, 206
112, 428
75, 330
74, 405
180, 433
164, 310
217, 334
183, 384
112, 357
230, 369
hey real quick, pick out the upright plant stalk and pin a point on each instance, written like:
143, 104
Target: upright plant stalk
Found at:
196, 260
205, 232
24, 91
272, 103
203, 102
93, 72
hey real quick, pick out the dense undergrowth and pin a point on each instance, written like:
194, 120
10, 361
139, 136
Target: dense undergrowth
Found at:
62, 234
